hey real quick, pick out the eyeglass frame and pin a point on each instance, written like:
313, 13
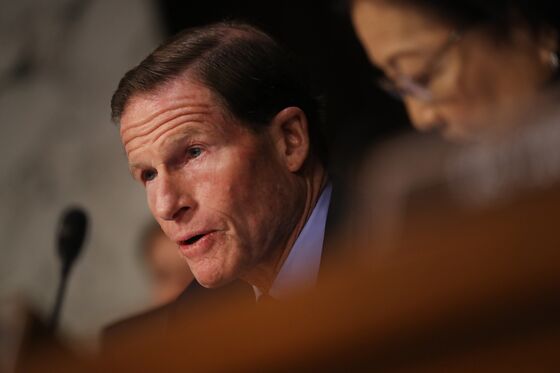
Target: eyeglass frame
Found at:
418, 88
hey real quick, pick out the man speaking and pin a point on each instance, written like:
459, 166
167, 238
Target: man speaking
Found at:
220, 129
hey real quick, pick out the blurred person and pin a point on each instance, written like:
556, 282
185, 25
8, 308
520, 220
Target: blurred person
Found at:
168, 270
223, 133
464, 68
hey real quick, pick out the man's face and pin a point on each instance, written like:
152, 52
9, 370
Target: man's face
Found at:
219, 190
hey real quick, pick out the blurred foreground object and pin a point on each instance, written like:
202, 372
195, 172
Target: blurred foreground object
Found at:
12, 323
23, 333
463, 284
418, 176
481, 295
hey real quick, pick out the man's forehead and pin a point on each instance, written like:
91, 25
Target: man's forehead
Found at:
187, 106
172, 98
179, 89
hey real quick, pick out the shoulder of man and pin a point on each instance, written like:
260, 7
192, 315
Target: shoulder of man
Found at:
157, 320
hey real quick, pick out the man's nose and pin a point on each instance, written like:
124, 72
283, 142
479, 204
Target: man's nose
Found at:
169, 197
423, 115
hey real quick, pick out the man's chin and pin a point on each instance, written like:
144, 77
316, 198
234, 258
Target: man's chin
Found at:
211, 281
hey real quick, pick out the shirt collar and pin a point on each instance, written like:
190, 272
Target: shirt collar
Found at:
301, 268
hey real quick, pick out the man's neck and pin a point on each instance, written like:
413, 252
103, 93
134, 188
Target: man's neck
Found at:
264, 274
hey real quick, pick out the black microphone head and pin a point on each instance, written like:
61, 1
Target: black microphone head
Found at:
71, 234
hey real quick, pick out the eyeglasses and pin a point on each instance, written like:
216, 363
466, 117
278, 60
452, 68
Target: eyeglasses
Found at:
419, 87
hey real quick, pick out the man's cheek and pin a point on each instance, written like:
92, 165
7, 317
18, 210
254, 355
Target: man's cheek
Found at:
150, 198
220, 190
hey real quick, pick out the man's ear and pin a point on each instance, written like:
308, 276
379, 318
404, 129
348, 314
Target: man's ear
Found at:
289, 132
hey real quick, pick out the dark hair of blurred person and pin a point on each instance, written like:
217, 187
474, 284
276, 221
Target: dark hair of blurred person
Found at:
464, 68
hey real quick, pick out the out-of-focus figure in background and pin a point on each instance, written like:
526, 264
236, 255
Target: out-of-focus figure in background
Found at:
482, 73
169, 272
464, 68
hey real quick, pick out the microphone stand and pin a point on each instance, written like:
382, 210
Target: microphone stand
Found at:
71, 235
61, 291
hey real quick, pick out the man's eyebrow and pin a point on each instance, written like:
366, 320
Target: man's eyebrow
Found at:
173, 142
185, 133
166, 124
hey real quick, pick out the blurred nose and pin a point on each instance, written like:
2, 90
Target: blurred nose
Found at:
423, 115
169, 199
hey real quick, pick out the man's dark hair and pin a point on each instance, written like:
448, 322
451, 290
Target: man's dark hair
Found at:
253, 76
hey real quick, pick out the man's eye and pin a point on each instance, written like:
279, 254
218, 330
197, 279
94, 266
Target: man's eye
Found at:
194, 152
148, 175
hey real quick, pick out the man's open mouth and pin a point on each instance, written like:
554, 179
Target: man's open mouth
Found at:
192, 240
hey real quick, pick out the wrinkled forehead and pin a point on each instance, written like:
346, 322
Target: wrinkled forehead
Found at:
181, 105
182, 87
168, 97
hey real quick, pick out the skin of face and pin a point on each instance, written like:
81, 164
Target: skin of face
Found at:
233, 200
480, 85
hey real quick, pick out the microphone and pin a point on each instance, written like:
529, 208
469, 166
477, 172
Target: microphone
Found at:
70, 238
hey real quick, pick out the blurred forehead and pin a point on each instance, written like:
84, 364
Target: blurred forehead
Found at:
388, 29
